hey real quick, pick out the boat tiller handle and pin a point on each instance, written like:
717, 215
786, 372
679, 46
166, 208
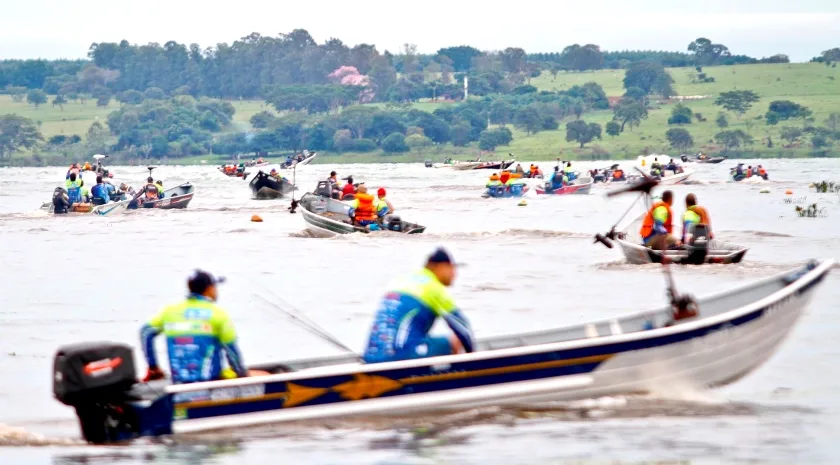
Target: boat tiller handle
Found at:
603, 240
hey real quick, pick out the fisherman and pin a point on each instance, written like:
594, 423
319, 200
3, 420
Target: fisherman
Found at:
335, 186
494, 181
533, 171
519, 169
74, 169
87, 166
198, 332
150, 190
349, 188
671, 166
100, 193
365, 209
383, 201
762, 172
73, 185
695, 214
739, 172
655, 168
749, 171
409, 310
558, 179
159, 185
658, 224
569, 171
618, 174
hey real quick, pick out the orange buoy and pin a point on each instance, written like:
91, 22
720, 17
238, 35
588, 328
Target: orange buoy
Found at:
789, 192
256, 219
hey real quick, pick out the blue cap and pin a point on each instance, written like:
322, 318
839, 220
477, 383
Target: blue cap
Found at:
442, 256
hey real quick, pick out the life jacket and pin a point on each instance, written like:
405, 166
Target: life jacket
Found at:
151, 191
762, 172
366, 209
647, 224
494, 178
87, 167
533, 170
74, 190
704, 218
618, 174
749, 172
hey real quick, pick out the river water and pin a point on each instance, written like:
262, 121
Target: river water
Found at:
71, 279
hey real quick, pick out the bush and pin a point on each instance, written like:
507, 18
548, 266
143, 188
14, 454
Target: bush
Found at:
394, 143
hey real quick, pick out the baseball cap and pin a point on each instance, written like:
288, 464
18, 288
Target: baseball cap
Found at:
381, 192
440, 255
200, 280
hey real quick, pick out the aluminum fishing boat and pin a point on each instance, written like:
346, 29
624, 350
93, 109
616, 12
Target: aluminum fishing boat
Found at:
732, 333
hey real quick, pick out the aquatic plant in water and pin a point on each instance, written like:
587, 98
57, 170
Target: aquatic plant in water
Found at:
811, 211
826, 187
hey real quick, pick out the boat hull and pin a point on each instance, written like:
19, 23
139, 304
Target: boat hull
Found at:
718, 252
644, 352
178, 197
108, 209
264, 187
505, 192
580, 185
326, 217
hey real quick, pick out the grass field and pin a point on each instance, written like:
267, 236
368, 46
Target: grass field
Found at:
811, 84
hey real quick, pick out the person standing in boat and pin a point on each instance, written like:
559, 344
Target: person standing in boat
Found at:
198, 333
409, 310
658, 224
695, 214
73, 185
558, 179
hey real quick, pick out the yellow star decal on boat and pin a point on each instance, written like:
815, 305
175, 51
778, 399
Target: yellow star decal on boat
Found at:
366, 386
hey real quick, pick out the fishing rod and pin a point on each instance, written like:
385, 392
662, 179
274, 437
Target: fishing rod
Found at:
297, 317
294, 205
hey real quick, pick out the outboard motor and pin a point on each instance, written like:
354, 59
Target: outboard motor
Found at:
599, 177
323, 189
95, 379
61, 201
428, 164
697, 244
393, 223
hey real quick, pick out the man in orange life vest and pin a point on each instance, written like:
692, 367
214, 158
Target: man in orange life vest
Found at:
695, 214
366, 209
659, 224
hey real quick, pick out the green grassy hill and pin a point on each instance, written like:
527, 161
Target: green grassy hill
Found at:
811, 84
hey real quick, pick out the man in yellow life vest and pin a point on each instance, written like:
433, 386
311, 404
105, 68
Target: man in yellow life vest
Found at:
198, 334
695, 214
365, 209
658, 224
494, 181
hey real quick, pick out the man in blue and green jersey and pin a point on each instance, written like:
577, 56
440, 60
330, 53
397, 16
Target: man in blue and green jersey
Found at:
410, 308
198, 333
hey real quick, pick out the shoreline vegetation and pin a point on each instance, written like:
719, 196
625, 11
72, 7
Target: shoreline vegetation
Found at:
171, 104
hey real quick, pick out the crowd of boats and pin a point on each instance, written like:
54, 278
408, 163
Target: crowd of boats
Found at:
705, 342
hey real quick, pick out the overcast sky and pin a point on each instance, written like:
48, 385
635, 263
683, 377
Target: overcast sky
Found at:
66, 28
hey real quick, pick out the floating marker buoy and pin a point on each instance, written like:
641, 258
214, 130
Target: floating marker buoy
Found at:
764, 191
523, 203
789, 192
256, 219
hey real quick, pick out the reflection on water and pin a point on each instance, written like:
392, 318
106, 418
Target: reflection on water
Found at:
532, 267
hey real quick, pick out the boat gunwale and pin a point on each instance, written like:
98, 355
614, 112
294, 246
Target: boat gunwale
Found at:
818, 272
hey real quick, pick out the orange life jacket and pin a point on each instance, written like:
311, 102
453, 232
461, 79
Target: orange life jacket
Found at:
366, 211
762, 171
151, 191
617, 174
749, 172
704, 218
647, 225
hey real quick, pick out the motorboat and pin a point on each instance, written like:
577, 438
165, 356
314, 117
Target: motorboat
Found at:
328, 217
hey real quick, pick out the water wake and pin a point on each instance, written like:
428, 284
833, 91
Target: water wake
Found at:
12, 436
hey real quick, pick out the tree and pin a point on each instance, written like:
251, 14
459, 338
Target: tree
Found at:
783, 110
582, 58
831, 56
636, 94
154, 93
679, 138
680, 114
501, 112
103, 100
418, 142
394, 143
16, 133
833, 121
630, 111
819, 141
461, 58
791, 134
722, 121
733, 139
613, 128
17, 92
131, 97
707, 53
650, 77
262, 120
461, 133
36, 97
59, 101
529, 119
492, 138
738, 101
513, 59
579, 131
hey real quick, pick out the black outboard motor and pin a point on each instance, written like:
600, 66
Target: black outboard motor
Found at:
61, 201
697, 244
393, 223
95, 379
428, 164
323, 189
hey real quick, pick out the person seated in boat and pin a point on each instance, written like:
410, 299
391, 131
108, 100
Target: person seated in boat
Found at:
618, 174
349, 188
383, 201
276, 175
409, 310
73, 186
739, 171
87, 166
671, 166
558, 179
762, 172
149, 192
519, 169
749, 171
100, 193
335, 186
695, 214
198, 333
569, 171
533, 171
365, 209
658, 224
159, 185
260, 160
